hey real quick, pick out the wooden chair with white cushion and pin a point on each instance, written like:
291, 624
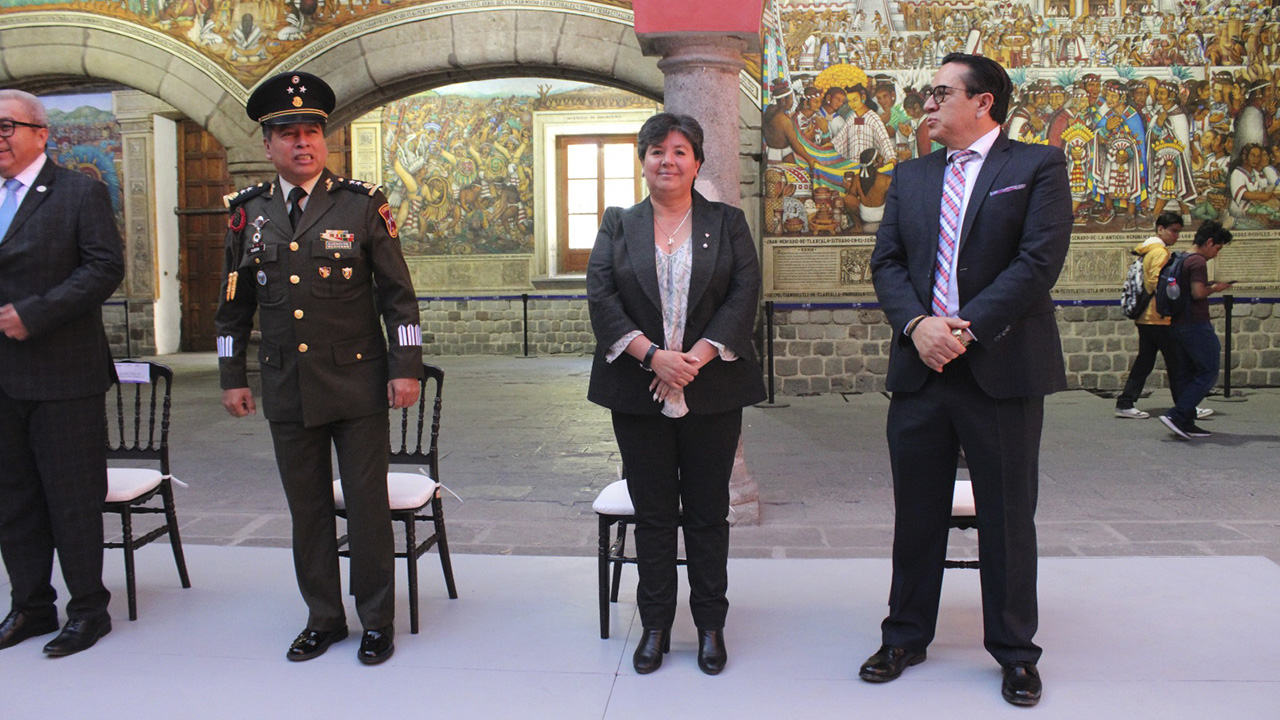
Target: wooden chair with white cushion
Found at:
964, 516
613, 508
415, 494
136, 433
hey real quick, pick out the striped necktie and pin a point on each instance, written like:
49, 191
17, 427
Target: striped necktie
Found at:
9, 207
949, 228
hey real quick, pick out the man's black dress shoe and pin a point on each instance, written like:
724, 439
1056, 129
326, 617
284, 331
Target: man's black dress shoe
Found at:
1021, 685
312, 643
377, 645
78, 634
20, 626
888, 663
649, 652
711, 653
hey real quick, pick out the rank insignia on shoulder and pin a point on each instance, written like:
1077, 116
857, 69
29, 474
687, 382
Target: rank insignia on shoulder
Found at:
385, 212
244, 194
237, 220
360, 186
338, 239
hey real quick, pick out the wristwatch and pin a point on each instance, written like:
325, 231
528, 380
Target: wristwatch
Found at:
648, 357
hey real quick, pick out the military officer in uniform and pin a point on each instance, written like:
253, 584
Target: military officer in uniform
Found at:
316, 256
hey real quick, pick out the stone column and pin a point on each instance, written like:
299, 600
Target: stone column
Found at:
701, 79
701, 72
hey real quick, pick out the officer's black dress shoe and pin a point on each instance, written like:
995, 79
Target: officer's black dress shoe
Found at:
711, 653
312, 643
888, 663
649, 652
18, 626
78, 634
1021, 685
377, 645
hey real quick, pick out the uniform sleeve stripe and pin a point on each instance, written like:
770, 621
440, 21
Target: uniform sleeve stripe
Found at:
409, 335
226, 346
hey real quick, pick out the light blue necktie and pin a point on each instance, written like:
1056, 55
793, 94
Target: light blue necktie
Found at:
9, 207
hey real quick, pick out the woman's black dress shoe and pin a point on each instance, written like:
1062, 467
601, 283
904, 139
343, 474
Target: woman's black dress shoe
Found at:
711, 652
649, 652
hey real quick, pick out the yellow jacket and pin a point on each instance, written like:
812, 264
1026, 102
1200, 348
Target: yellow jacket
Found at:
1154, 255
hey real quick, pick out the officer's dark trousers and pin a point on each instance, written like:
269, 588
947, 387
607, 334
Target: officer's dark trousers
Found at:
675, 463
306, 468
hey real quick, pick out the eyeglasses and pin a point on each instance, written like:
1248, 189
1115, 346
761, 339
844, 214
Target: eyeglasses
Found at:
8, 127
939, 93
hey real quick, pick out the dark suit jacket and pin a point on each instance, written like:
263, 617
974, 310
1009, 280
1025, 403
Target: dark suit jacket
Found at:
1013, 243
61, 258
724, 290
330, 285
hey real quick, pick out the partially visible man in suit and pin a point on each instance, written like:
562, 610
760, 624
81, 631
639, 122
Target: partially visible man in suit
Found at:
60, 258
316, 256
973, 238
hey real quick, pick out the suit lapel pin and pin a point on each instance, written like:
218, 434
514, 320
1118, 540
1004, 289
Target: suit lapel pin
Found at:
41, 188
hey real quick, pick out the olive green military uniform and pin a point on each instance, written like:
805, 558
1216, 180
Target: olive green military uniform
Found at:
324, 294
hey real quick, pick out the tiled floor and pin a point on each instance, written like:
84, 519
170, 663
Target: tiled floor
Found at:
1160, 638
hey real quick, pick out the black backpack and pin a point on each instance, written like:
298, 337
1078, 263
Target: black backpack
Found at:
1173, 293
1133, 296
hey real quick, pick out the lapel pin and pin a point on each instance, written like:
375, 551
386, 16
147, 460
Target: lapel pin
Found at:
704, 245
41, 188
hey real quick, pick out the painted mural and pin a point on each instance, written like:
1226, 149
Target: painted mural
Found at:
83, 137
458, 163
248, 38
1161, 105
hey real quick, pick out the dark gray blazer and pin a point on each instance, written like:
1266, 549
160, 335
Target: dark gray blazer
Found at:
61, 258
1013, 243
724, 291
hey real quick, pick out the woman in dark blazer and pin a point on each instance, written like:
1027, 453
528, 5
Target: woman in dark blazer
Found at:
674, 283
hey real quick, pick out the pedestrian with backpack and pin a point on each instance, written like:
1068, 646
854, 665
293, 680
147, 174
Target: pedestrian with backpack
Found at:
1153, 328
1197, 342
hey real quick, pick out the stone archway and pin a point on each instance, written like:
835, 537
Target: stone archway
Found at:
369, 63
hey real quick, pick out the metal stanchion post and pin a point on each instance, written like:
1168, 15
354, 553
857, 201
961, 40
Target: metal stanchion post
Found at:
1228, 305
1228, 302
768, 341
524, 304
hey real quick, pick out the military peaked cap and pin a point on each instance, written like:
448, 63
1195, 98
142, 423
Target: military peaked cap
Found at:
292, 97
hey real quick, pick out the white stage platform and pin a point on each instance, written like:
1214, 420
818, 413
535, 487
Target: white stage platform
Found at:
1124, 638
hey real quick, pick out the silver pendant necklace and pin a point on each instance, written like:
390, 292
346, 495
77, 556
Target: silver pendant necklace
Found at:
671, 236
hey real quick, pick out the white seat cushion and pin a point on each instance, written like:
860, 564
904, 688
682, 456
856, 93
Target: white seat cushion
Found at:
614, 500
962, 504
405, 491
125, 484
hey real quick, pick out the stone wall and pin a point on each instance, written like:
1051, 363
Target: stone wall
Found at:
841, 349
140, 330
557, 325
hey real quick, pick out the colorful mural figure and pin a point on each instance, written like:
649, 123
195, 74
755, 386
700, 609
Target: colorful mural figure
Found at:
458, 165
1160, 105
83, 137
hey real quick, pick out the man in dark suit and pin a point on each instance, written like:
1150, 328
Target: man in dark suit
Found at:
317, 257
60, 259
972, 242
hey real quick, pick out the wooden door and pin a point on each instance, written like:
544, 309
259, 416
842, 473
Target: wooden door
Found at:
202, 227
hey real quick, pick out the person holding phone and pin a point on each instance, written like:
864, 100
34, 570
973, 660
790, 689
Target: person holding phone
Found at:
1198, 345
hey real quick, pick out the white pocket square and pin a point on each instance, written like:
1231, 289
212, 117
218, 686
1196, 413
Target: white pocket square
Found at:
1011, 188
